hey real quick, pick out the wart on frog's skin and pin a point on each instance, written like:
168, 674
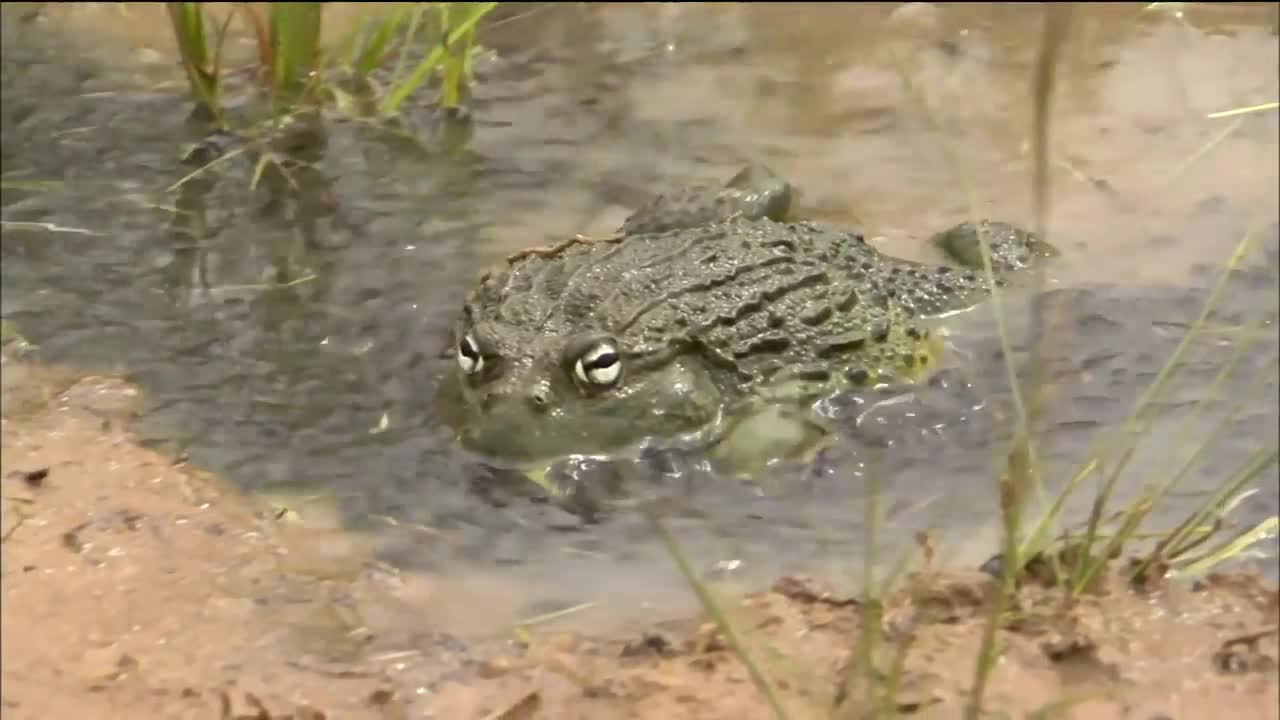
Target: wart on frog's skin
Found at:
704, 313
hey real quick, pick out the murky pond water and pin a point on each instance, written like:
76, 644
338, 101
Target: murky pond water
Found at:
322, 389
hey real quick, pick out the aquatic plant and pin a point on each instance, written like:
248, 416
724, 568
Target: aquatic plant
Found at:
200, 63
296, 71
293, 48
455, 25
303, 81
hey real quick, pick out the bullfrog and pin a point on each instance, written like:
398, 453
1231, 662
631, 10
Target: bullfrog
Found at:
708, 318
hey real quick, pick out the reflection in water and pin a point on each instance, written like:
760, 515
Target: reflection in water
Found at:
588, 111
189, 228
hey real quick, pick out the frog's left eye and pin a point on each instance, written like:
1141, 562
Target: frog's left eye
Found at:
599, 366
469, 357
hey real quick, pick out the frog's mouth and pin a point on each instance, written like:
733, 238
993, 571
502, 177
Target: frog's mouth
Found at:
677, 406
534, 452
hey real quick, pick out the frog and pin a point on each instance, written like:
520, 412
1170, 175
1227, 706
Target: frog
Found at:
711, 318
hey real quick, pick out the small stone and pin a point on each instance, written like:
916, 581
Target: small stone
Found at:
649, 643
106, 664
494, 667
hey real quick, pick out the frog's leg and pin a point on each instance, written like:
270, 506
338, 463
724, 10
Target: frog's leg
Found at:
756, 192
1012, 248
777, 422
939, 290
764, 435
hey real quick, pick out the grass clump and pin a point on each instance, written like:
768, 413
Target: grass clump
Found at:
277, 120
297, 72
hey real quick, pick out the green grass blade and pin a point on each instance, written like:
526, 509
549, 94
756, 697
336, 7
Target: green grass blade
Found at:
215, 103
1234, 547
406, 43
449, 70
188, 29
1252, 468
1021, 471
401, 92
1183, 438
1212, 143
988, 648
457, 57
378, 46
346, 50
996, 300
295, 43
406, 87
1039, 538
1244, 110
709, 603
187, 19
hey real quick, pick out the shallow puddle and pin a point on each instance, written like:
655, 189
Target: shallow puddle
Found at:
901, 121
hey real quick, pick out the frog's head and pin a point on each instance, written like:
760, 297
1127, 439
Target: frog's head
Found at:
535, 396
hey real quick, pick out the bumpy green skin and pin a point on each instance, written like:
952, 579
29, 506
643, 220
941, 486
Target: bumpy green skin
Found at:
715, 309
1011, 249
755, 193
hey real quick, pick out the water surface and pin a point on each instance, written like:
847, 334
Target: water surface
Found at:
321, 391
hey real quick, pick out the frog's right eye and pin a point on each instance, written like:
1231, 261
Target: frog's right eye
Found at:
600, 366
469, 357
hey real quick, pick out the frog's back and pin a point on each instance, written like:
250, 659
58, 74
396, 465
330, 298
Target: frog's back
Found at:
754, 297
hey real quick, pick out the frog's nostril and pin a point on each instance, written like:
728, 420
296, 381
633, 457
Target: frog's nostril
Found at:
540, 398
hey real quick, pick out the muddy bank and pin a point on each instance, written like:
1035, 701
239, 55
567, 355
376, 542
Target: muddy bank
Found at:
1176, 653
136, 586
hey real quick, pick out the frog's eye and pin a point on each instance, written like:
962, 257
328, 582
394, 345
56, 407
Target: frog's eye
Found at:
469, 357
600, 366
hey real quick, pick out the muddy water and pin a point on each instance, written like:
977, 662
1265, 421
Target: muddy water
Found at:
318, 394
